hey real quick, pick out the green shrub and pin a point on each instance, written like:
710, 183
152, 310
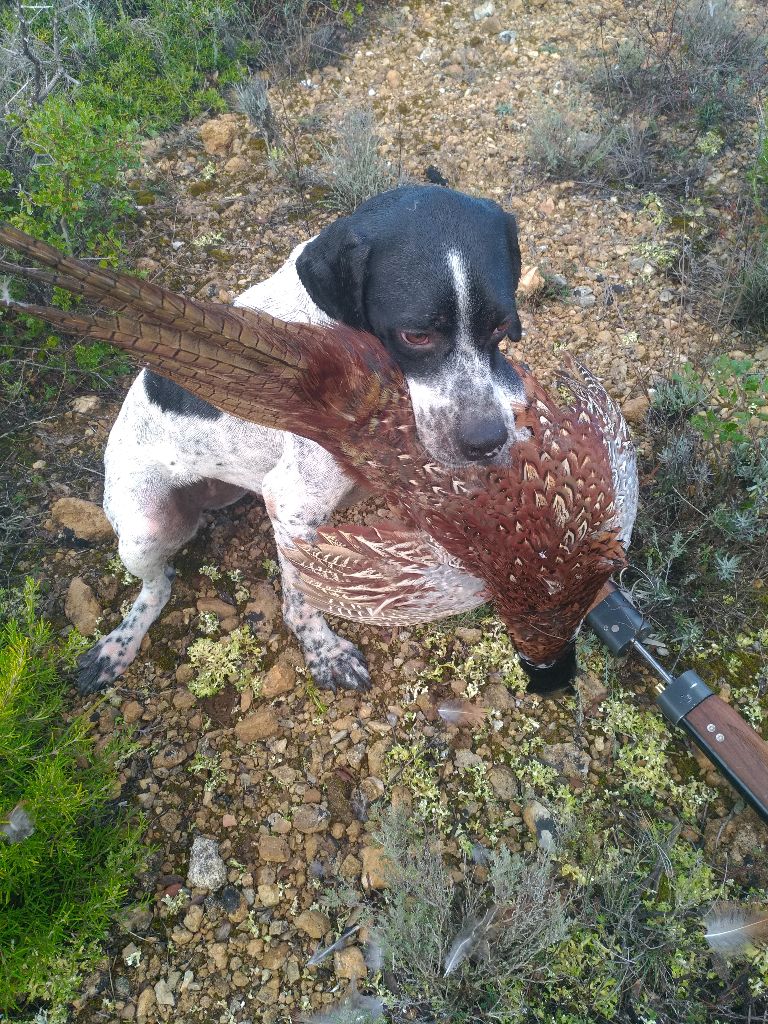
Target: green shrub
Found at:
60, 886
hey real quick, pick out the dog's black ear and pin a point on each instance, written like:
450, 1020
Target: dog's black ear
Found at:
333, 268
515, 332
514, 248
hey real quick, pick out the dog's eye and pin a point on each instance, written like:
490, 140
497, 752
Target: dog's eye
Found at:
415, 340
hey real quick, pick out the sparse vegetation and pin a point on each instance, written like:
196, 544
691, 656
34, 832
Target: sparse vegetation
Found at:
353, 167
62, 882
613, 922
702, 567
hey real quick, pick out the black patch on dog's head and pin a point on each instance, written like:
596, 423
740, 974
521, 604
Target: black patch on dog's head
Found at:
172, 398
382, 269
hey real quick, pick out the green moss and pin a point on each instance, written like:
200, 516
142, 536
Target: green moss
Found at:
235, 658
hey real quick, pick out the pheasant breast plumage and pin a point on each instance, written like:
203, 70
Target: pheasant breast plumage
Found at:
538, 536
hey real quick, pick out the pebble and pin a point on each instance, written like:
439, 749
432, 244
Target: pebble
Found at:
541, 824
375, 868
81, 607
485, 10
258, 726
163, 994
313, 923
274, 850
206, 868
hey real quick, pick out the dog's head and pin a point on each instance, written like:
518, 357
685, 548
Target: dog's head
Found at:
432, 273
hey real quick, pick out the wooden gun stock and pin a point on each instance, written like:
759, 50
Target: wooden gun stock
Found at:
733, 746
727, 739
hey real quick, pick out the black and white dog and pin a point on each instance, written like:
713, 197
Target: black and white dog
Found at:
432, 273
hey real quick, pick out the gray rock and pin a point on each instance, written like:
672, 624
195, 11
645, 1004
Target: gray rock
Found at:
567, 759
163, 994
584, 296
206, 868
541, 824
508, 36
485, 10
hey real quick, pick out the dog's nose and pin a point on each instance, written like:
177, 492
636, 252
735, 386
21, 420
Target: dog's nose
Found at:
482, 438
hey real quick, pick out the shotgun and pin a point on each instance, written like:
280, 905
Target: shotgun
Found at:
727, 739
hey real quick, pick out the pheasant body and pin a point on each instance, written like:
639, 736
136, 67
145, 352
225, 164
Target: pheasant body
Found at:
538, 536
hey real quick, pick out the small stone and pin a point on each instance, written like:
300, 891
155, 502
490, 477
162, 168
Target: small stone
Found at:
310, 818
193, 918
504, 783
541, 824
258, 726
132, 712
508, 36
280, 679
274, 850
269, 895
81, 607
236, 165
229, 821
87, 405
206, 868
129, 952
216, 605
163, 994
230, 899
485, 10
313, 923
635, 409
84, 518
584, 296
183, 700
531, 281
393, 78
145, 1003
262, 612
349, 963
375, 868
665, 295
137, 919
567, 759
217, 135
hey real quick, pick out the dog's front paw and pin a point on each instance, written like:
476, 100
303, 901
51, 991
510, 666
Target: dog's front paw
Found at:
103, 664
339, 663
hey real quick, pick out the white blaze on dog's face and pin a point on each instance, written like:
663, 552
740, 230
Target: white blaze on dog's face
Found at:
432, 273
463, 408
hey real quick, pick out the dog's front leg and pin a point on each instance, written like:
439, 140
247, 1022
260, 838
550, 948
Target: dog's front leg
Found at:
300, 494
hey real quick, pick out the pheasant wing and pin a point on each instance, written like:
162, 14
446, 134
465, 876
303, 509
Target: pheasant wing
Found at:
384, 575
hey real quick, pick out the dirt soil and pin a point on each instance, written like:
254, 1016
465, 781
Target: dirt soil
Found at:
285, 809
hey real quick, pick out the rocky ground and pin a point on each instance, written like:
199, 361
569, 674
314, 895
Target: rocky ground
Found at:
256, 797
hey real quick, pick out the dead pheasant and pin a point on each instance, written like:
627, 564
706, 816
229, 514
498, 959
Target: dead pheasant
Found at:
539, 537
